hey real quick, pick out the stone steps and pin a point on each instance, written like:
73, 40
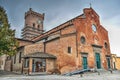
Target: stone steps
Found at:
98, 72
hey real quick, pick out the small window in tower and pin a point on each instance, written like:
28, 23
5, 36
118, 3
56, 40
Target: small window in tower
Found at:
38, 26
33, 24
69, 49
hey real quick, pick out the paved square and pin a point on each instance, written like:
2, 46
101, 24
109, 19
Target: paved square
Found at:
87, 76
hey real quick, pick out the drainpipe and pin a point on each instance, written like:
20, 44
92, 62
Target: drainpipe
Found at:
77, 50
22, 66
76, 44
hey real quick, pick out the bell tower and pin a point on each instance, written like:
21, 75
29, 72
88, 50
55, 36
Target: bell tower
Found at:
33, 25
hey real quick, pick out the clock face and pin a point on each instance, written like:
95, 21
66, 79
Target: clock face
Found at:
94, 28
39, 21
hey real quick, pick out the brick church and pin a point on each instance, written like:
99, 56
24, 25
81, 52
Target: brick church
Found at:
79, 43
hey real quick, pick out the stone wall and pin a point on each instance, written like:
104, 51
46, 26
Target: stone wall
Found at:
8, 66
17, 61
17, 67
2, 62
118, 63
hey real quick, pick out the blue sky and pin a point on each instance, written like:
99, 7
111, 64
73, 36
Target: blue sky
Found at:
59, 11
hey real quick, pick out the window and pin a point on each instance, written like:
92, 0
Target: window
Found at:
106, 45
33, 24
38, 26
94, 28
20, 57
14, 59
82, 39
8, 58
26, 63
69, 49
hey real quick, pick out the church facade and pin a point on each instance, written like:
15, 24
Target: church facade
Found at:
79, 43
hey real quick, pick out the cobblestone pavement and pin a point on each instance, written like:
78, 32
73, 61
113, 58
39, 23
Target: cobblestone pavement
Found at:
87, 76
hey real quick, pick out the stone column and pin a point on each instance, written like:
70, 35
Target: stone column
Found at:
30, 65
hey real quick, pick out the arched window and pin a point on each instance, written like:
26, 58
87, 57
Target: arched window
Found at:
38, 26
33, 24
82, 39
106, 45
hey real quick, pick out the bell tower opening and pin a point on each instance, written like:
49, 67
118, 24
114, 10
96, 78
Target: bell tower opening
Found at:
33, 25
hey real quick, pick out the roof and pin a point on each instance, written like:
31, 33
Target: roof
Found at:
39, 55
25, 40
20, 47
68, 23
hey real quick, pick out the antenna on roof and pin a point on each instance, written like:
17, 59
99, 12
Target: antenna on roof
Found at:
30, 8
90, 5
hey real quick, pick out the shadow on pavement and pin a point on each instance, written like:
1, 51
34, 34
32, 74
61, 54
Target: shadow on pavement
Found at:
7, 73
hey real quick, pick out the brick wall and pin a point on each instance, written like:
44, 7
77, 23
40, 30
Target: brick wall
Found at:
84, 28
23, 43
59, 48
50, 65
38, 47
33, 18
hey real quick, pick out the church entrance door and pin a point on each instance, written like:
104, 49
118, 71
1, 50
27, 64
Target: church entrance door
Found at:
85, 64
98, 60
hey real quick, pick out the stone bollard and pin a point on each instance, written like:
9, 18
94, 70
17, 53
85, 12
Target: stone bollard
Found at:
111, 71
98, 73
81, 74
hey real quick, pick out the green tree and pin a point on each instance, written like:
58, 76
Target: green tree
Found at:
8, 43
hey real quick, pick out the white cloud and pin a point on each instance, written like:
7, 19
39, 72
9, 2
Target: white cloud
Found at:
112, 25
